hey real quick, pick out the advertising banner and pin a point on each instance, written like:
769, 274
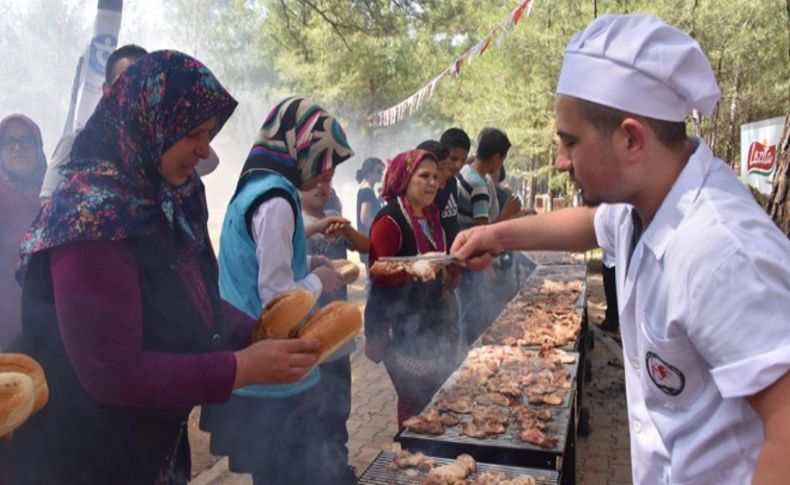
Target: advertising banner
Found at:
759, 149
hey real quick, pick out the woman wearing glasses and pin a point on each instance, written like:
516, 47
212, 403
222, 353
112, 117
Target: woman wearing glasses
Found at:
22, 167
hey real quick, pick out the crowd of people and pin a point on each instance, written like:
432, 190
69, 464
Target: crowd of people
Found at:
109, 279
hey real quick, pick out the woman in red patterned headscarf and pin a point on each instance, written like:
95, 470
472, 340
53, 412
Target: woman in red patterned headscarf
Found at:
22, 167
411, 325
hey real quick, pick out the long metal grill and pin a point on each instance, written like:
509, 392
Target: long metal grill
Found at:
378, 472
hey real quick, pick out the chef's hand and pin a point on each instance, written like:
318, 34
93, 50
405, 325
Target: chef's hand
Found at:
318, 260
276, 361
475, 247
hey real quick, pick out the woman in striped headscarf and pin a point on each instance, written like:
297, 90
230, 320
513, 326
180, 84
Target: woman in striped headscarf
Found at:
264, 429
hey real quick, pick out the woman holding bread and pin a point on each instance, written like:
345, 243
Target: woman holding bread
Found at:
120, 294
279, 434
411, 325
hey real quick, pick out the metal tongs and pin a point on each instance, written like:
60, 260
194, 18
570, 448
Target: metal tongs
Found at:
432, 258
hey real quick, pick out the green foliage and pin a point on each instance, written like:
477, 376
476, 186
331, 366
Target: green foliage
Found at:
359, 56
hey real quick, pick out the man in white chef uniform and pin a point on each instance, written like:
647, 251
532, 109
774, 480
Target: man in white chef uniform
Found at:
704, 274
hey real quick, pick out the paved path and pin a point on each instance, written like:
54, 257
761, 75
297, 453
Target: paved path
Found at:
602, 459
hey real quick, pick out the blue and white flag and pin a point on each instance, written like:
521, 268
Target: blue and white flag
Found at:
90, 71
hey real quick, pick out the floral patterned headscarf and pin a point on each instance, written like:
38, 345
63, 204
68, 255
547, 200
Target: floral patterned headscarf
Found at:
396, 181
114, 188
29, 185
299, 140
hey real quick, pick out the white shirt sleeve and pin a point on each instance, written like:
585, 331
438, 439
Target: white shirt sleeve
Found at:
62, 153
273, 231
739, 323
605, 227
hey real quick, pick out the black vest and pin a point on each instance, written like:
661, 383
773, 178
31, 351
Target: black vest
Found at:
74, 439
413, 310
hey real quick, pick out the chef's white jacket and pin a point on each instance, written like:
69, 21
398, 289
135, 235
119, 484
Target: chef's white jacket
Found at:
705, 321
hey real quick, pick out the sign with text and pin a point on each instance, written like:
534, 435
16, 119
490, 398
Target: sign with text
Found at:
759, 150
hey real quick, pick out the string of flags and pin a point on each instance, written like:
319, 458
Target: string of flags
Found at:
407, 107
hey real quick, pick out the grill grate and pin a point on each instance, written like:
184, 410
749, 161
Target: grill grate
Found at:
378, 473
556, 428
561, 273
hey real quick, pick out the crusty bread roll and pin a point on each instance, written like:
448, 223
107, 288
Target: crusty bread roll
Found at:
27, 365
282, 313
347, 269
17, 398
333, 325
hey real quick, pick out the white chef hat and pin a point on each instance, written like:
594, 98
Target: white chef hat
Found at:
641, 65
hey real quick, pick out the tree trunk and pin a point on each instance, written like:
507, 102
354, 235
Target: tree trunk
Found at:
730, 146
531, 187
779, 203
550, 201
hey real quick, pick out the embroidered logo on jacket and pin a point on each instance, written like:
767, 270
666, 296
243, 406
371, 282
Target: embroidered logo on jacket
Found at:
664, 375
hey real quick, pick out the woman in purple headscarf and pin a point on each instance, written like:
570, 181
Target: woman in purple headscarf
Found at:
22, 167
411, 325
120, 291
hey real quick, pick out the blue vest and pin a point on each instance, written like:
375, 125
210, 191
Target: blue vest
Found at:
238, 266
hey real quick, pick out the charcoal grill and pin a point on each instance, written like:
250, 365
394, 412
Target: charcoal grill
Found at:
506, 449
378, 473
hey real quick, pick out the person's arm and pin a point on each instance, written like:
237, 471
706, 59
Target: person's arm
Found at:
357, 241
738, 322
100, 315
385, 240
481, 205
324, 225
773, 406
366, 213
273, 230
52, 176
511, 209
563, 230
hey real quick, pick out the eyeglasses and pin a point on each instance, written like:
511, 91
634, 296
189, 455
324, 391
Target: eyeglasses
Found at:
8, 142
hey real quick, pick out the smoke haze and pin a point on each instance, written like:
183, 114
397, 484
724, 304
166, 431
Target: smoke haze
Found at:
40, 59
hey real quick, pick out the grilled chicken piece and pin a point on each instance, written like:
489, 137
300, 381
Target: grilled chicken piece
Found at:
499, 478
473, 430
553, 399
492, 398
454, 472
536, 437
426, 423
449, 420
404, 459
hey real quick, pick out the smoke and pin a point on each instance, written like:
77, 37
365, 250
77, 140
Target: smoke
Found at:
41, 89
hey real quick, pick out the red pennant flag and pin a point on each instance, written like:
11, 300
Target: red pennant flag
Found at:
519, 11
